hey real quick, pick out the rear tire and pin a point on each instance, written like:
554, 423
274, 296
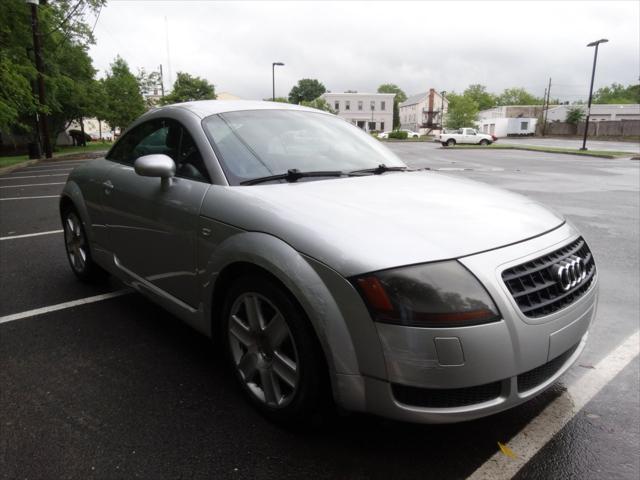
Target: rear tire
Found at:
77, 247
484, 142
272, 350
451, 142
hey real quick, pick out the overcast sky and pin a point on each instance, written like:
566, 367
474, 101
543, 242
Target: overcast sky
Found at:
359, 45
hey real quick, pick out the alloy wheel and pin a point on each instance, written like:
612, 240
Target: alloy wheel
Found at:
263, 350
75, 242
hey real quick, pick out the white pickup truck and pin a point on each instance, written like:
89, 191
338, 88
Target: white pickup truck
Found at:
464, 135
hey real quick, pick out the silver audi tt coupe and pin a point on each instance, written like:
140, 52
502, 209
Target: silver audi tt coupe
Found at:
327, 268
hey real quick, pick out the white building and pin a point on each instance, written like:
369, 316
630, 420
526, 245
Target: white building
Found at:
600, 112
369, 111
423, 112
96, 129
510, 120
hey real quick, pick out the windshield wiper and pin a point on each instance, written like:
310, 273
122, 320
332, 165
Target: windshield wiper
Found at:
382, 168
293, 175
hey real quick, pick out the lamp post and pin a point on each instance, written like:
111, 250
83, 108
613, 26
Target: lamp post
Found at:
593, 74
273, 79
442, 94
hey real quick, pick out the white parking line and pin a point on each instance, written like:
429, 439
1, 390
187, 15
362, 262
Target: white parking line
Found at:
28, 198
62, 306
36, 176
47, 170
27, 235
558, 413
31, 185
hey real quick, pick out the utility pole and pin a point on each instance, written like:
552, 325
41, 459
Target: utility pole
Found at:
273, 79
545, 111
37, 50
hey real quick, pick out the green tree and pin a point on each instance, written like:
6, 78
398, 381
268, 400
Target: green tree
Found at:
307, 89
393, 88
68, 69
188, 88
617, 93
478, 93
462, 112
574, 115
124, 102
397, 100
517, 96
319, 103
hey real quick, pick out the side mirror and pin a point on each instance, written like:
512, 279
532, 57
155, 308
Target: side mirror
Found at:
156, 165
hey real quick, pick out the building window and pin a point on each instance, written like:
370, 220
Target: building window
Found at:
372, 105
372, 126
524, 125
336, 105
382, 125
359, 104
383, 105
347, 105
361, 124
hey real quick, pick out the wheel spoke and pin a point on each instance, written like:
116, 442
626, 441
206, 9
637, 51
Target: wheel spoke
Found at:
276, 331
270, 387
285, 369
252, 307
248, 366
240, 332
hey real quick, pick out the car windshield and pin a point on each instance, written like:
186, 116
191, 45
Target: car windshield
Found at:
258, 143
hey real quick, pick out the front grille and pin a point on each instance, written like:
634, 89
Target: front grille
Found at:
446, 397
534, 287
539, 375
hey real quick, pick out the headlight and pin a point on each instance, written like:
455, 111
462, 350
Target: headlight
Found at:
443, 294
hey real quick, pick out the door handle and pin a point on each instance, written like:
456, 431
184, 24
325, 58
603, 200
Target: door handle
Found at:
108, 186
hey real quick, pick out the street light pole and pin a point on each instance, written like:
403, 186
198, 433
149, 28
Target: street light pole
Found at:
593, 74
273, 79
442, 94
37, 50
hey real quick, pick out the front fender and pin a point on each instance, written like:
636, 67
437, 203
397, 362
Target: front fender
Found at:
292, 269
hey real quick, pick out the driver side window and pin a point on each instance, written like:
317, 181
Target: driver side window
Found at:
162, 136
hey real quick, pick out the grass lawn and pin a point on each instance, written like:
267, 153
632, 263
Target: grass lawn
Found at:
572, 151
60, 152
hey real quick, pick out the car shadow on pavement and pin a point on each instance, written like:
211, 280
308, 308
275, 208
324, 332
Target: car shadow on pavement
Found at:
122, 388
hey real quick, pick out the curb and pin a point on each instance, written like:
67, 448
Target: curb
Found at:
524, 149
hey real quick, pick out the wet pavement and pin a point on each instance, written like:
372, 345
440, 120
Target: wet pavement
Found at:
122, 389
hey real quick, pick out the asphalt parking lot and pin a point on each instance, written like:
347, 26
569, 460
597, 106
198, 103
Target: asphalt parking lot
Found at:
118, 388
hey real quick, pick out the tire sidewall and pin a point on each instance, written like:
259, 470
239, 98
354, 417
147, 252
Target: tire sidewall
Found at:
91, 271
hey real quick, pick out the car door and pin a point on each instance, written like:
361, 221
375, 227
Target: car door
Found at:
152, 229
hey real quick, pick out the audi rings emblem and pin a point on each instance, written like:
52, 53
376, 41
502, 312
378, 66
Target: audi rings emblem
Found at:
569, 273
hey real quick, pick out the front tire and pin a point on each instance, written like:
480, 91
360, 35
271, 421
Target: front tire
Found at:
272, 350
77, 248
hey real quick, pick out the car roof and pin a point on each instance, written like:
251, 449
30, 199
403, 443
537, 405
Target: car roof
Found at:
204, 108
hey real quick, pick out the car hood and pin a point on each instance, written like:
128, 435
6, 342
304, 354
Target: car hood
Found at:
363, 224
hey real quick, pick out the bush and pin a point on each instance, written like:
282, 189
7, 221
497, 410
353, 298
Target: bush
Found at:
399, 134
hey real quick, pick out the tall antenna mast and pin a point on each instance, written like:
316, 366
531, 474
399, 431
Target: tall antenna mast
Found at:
166, 31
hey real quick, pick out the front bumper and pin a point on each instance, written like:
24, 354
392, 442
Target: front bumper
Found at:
490, 367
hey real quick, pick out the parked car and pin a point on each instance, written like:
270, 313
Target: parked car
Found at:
410, 134
465, 136
327, 268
